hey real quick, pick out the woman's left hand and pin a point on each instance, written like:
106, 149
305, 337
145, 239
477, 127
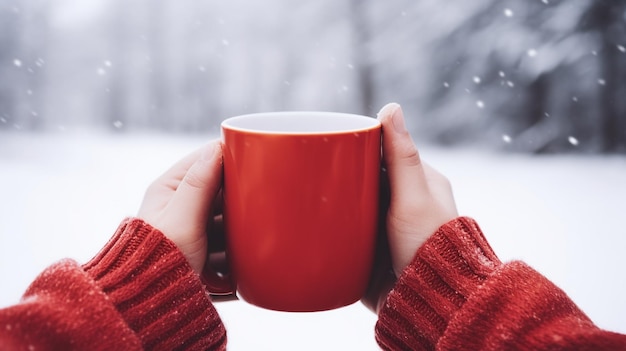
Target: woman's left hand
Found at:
181, 202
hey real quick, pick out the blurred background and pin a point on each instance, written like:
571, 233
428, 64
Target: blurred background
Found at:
522, 104
536, 76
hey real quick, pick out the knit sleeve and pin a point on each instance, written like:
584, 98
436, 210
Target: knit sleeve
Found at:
457, 295
138, 293
63, 310
150, 283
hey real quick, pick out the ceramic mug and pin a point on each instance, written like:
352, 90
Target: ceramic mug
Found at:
301, 193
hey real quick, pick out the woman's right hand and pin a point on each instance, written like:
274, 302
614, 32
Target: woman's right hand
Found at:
420, 200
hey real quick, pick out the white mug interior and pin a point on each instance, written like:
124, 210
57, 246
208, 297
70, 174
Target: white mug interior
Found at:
301, 122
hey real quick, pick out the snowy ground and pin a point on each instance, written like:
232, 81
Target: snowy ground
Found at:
63, 194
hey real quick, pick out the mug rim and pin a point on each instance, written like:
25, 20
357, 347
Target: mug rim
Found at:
362, 123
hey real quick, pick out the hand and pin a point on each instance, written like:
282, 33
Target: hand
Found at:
416, 201
182, 201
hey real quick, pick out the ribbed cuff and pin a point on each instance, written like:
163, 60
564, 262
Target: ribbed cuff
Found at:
150, 282
446, 270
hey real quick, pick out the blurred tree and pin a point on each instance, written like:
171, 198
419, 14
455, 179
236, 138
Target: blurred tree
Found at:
34, 47
535, 87
201, 73
23, 41
120, 51
361, 40
607, 20
538, 76
9, 42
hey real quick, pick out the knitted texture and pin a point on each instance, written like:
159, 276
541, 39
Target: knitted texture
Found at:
64, 310
138, 293
159, 296
457, 295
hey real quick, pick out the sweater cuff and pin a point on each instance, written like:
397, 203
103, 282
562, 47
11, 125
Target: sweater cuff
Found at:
155, 290
451, 265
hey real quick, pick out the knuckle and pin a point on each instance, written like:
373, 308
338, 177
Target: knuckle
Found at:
194, 180
408, 155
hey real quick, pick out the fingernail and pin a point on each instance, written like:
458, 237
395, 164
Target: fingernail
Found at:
397, 119
387, 110
397, 116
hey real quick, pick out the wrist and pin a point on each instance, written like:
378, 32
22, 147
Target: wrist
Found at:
452, 264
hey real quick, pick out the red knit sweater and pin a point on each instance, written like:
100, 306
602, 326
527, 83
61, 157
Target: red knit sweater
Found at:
457, 295
140, 293
137, 293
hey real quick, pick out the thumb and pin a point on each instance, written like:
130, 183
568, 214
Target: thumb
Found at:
408, 185
195, 193
403, 162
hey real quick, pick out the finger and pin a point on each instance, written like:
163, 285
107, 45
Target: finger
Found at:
194, 195
402, 160
172, 177
166, 183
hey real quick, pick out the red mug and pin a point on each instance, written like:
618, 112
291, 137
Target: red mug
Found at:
301, 193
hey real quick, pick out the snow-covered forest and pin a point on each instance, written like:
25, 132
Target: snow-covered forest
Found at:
533, 76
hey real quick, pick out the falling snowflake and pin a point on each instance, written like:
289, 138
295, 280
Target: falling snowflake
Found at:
118, 124
510, 84
508, 12
601, 81
501, 74
621, 48
476, 79
446, 84
575, 98
225, 42
531, 52
100, 71
506, 138
572, 140
480, 104
17, 63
